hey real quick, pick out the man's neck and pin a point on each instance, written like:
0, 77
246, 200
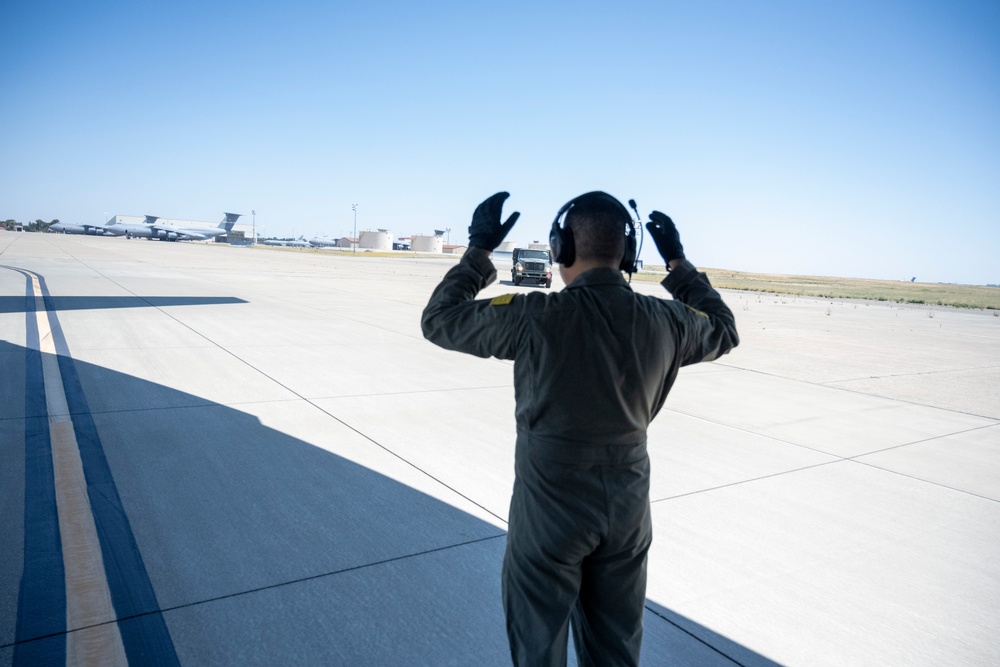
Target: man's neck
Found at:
580, 266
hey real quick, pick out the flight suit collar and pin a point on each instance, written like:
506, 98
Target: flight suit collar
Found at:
600, 276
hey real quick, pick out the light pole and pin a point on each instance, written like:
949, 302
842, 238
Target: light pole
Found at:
448, 231
354, 244
254, 214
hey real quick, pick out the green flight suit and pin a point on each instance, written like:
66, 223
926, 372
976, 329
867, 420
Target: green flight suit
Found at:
593, 364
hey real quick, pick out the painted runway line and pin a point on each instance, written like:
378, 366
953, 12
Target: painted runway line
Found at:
104, 577
41, 607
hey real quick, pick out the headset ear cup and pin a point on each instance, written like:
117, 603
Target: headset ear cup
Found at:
629, 258
561, 244
555, 242
561, 239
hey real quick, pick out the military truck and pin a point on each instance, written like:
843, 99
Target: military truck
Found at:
531, 265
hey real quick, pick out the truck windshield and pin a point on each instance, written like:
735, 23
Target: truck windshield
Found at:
533, 254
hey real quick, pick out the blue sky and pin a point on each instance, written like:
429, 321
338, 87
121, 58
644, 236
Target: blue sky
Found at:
857, 139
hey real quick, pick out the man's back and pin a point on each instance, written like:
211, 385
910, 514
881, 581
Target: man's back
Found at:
593, 363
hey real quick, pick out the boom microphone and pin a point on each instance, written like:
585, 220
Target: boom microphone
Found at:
631, 202
638, 230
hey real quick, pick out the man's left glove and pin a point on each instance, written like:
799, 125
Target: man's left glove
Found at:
486, 230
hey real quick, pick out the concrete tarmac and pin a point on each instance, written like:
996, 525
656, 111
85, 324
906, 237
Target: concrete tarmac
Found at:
233, 456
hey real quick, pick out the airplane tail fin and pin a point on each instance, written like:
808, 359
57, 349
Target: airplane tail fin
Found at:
151, 219
230, 220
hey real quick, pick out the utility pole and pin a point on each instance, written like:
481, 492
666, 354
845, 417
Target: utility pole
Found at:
254, 214
354, 207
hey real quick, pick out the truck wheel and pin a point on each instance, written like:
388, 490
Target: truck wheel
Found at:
548, 283
517, 280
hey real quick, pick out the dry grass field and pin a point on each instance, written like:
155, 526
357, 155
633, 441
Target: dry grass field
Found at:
942, 294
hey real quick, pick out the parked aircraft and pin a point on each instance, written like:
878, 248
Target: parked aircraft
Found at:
149, 229
135, 229
96, 230
296, 243
325, 242
195, 231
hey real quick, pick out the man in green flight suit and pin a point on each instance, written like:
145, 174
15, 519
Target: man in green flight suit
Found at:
593, 364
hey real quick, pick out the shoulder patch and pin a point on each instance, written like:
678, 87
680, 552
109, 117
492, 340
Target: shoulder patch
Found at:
696, 311
502, 300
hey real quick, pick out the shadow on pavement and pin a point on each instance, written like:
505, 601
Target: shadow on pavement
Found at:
16, 304
226, 541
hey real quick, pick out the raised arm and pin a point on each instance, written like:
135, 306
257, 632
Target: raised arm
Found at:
707, 323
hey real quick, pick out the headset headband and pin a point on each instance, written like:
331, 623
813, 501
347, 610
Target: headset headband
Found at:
561, 238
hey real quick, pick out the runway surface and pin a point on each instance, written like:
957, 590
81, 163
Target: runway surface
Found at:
235, 456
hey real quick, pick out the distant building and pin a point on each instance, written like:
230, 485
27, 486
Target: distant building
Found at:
454, 249
347, 242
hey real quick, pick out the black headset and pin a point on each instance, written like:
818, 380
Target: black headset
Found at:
561, 238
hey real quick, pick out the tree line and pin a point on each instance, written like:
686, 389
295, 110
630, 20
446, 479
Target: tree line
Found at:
36, 226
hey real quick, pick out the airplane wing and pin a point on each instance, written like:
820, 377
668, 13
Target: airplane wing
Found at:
175, 233
97, 229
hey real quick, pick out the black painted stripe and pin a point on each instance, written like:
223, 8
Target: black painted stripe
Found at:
41, 605
147, 640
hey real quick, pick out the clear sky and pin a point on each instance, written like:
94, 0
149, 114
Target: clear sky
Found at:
856, 138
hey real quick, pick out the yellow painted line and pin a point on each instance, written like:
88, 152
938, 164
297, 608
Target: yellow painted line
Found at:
93, 637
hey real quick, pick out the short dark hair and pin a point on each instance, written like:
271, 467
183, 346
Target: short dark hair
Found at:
598, 229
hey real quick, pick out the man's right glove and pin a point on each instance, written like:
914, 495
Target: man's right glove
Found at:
665, 235
486, 230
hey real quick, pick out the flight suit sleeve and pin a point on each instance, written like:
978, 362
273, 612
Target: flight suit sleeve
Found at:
455, 320
707, 327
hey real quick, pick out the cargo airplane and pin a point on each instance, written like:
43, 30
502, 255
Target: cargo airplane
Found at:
96, 230
324, 242
189, 232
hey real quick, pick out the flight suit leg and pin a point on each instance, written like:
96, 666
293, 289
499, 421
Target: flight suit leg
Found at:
607, 620
551, 531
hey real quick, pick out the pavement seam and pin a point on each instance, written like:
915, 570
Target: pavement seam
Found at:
827, 385
409, 393
904, 375
820, 465
746, 481
838, 459
408, 462
751, 432
694, 636
259, 589
920, 479
929, 439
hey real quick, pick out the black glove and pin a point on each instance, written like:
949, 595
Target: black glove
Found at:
486, 231
665, 236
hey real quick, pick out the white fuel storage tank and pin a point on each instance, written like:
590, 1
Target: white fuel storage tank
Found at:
380, 239
426, 243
